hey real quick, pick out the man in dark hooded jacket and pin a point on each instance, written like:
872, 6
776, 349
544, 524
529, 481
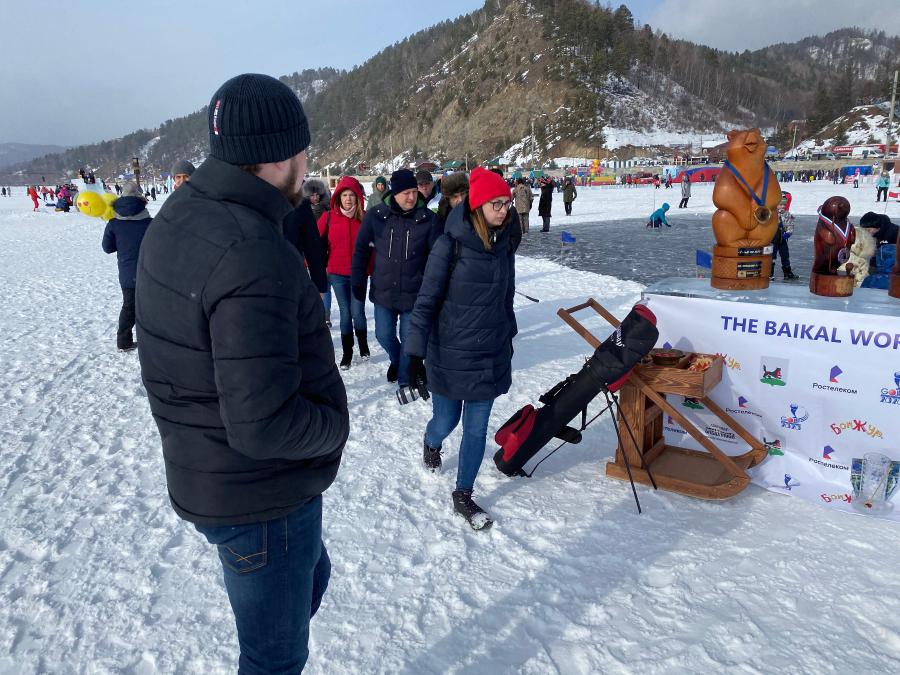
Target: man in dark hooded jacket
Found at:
239, 369
123, 236
400, 232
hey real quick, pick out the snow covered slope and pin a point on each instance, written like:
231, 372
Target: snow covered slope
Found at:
98, 575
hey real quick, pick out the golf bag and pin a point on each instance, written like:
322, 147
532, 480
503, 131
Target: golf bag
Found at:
529, 430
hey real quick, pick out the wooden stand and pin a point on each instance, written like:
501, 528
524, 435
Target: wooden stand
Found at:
705, 475
831, 285
894, 288
740, 269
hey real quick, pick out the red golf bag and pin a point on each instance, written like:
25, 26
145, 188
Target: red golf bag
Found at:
529, 430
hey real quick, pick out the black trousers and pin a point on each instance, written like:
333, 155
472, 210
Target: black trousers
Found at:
780, 248
124, 337
882, 192
546, 227
683, 203
568, 206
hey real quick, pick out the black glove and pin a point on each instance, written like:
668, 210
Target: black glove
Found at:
359, 292
416, 371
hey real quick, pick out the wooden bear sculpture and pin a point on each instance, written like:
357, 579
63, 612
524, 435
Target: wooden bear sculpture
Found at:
831, 248
746, 194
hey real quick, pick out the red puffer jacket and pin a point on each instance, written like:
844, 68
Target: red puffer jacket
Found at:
342, 230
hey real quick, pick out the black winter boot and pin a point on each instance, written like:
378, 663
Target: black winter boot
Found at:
788, 274
476, 516
392, 372
347, 345
363, 341
431, 457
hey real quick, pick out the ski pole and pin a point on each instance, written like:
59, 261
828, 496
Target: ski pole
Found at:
527, 296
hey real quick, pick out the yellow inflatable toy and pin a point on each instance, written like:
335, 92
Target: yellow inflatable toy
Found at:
109, 198
91, 204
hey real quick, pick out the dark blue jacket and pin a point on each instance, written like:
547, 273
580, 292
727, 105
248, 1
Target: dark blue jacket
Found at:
401, 242
235, 355
463, 321
123, 235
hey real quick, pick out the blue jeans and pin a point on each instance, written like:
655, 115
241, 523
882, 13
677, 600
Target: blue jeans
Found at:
274, 588
326, 300
386, 334
475, 416
353, 312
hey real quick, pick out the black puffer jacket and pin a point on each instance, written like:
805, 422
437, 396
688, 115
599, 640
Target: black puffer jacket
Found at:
235, 356
123, 235
401, 241
463, 321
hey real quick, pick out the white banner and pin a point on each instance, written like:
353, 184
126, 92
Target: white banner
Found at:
820, 388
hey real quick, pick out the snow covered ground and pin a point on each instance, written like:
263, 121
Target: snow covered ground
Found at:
98, 575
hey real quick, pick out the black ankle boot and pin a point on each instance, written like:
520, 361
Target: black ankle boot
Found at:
363, 342
476, 516
788, 273
431, 457
347, 345
392, 372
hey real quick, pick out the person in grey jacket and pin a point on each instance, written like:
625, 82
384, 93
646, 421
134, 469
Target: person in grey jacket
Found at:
685, 190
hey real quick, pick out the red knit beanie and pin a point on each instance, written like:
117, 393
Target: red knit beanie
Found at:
484, 186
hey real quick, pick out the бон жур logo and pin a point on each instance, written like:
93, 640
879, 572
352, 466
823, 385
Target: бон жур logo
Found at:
833, 383
796, 419
774, 371
891, 395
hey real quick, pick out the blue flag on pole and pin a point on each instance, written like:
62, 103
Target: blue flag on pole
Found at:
704, 259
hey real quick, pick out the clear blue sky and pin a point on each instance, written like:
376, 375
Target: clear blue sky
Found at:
76, 72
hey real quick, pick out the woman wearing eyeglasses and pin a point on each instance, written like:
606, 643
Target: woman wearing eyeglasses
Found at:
461, 330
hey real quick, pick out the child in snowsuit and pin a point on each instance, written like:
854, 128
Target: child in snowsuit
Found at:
658, 217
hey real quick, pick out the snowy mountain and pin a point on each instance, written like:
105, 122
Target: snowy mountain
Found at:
16, 153
860, 125
535, 79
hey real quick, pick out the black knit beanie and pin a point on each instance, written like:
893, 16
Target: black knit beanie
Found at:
403, 179
255, 119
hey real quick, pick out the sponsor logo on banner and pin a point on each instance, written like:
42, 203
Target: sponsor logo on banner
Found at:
743, 408
730, 362
673, 426
836, 498
692, 403
827, 453
891, 395
795, 420
832, 381
773, 447
773, 371
857, 425
720, 433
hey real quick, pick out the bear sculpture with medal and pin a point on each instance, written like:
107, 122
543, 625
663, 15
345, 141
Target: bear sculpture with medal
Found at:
746, 195
831, 248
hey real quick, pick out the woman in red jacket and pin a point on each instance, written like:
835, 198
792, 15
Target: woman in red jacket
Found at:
338, 229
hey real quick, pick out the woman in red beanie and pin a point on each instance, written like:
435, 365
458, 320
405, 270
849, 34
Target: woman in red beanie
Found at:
461, 330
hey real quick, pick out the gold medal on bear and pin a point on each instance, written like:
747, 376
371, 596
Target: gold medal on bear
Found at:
762, 214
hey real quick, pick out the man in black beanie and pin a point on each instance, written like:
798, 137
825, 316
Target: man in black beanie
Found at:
399, 232
240, 372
